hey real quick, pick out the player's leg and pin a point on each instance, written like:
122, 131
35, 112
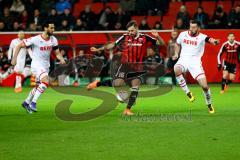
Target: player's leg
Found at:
35, 72
75, 83
232, 74
179, 69
120, 74
19, 78
31, 94
224, 80
207, 93
198, 73
98, 83
135, 83
118, 82
44, 80
18, 82
19, 70
232, 77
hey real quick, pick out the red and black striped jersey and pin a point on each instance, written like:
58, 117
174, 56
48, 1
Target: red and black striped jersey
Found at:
134, 49
231, 50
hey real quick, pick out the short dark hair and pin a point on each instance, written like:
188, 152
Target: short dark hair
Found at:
132, 23
46, 23
194, 21
231, 33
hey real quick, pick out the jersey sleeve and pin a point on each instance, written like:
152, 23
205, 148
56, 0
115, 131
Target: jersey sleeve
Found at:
29, 41
10, 51
179, 39
55, 42
222, 49
120, 40
150, 39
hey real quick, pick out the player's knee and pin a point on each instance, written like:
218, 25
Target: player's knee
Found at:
45, 79
116, 84
177, 70
135, 88
205, 87
224, 76
232, 78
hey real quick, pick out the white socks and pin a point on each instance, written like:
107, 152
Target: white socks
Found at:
182, 83
18, 83
36, 93
40, 89
31, 95
207, 95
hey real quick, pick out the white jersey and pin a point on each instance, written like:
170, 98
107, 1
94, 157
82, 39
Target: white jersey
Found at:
21, 58
22, 53
41, 50
191, 47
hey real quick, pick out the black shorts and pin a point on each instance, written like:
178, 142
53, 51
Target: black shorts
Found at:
231, 68
171, 63
128, 73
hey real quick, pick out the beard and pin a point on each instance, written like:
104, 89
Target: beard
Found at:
49, 34
194, 33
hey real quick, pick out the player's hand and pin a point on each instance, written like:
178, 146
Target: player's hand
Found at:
93, 49
13, 62
216, 41
174, 57
219, 67
155, 33
62, 61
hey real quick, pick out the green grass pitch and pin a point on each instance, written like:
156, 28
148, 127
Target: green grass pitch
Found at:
44, 136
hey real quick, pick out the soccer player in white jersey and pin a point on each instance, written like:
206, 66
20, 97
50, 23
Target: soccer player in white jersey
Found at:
41, 45
19, 67
192, 44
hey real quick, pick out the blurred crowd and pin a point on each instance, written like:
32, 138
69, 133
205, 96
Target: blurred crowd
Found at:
219, 20
29, 15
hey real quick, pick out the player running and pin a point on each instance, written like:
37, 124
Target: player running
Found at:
192, 44
19, 67
231, 48
133, 46
41, 45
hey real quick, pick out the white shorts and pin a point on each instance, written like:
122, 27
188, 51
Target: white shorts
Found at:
21, 60
193, 66
26, 72
39, 72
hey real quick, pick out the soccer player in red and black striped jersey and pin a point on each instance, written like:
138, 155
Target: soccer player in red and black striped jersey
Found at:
231, 50
133, 47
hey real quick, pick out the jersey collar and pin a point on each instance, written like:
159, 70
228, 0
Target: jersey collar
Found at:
232, 44
44, 38
191, 35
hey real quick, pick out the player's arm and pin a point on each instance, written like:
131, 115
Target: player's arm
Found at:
212, 40
108, 46
220, 53
10, 51
177, 48
59, 55
17, 49
104, 47
160, 41
29, 51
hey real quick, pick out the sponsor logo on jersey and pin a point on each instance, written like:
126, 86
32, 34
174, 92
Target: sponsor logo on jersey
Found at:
190, 42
